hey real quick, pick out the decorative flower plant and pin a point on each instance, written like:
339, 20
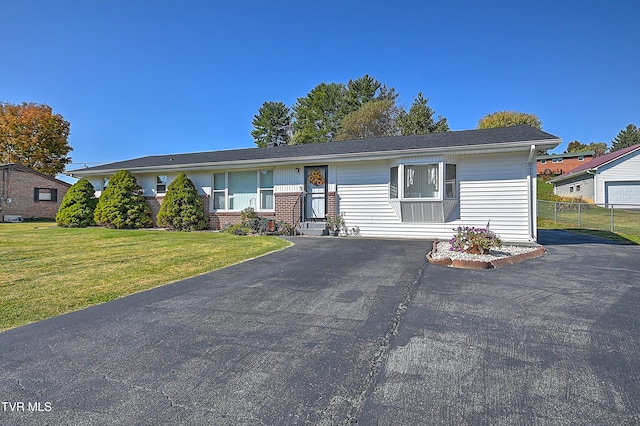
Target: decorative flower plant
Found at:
474, 240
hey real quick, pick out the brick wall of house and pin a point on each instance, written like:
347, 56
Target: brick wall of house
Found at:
154, 204
285, 202
331, 204
567, 164
17, 197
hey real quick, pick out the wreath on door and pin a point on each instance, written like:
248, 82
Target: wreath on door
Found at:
316, 178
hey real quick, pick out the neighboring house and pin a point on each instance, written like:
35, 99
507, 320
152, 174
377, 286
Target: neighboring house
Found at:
609, 179
420, 186
557, 164
26, 193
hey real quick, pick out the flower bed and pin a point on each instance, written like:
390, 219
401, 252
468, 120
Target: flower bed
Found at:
442, 254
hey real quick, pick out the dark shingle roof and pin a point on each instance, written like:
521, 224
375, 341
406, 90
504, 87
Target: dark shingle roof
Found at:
22, 168
462, 138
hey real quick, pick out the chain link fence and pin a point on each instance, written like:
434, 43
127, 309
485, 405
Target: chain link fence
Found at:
624, 219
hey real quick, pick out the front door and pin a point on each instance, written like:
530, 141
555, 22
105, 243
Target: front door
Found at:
316, 192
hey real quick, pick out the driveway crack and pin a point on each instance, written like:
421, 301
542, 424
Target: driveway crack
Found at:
377, 359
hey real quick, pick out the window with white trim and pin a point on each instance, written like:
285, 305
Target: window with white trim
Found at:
265, 178
161, 184
235, 191
425, 192
451, 181
393, 183
219, 191
421, 181
557, 160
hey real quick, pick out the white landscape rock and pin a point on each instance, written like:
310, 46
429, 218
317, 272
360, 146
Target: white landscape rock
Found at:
443, 251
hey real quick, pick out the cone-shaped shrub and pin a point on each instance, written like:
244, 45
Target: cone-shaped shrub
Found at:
181, 208
122, 205
78, 206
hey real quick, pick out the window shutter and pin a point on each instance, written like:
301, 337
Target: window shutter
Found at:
54, 194
36, 194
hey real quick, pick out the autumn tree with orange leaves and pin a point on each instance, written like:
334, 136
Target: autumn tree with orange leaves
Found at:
32, 135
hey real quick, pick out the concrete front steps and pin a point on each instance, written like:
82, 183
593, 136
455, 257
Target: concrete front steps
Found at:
312, 228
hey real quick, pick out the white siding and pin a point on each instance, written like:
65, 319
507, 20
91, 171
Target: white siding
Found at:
492, 187
202, 182
625, 169
288, 179
291, 178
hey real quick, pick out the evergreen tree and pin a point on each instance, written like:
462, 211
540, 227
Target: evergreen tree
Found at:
78, 206
181, 208
122, 205
319, 114
366, 89
272, 124
627, 137
419, 120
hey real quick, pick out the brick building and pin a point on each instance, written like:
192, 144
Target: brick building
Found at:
29, 194
557, 164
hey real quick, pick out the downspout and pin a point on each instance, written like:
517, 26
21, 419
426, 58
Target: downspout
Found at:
533, 207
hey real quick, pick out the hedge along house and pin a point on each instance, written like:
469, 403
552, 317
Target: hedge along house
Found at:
610, 179
419, 186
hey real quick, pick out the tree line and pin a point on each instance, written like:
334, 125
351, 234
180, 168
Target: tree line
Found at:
33, 135
362, 108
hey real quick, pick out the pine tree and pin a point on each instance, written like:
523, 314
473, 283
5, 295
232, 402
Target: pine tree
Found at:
419, 120
181, 208
627, 137
122, 205
272, 124
78, 206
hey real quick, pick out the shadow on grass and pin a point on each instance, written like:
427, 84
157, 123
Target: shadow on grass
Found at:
581, 236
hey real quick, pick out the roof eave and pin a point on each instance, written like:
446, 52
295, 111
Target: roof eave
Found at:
334, 158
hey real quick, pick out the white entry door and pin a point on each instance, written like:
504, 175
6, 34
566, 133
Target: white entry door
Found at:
316, 192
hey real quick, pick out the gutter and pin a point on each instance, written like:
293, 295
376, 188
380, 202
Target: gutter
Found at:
532, 204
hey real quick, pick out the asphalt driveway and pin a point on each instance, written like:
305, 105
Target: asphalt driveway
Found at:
339, 330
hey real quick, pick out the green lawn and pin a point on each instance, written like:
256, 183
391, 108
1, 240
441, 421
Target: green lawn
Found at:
587, 219
47, 271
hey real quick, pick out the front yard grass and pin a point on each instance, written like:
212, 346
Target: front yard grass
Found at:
46, 271
614, 236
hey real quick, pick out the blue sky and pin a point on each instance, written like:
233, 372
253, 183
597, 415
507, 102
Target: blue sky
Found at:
147, 77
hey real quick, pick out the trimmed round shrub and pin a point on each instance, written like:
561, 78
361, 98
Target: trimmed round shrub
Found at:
182, 208
122, 205
78, 206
